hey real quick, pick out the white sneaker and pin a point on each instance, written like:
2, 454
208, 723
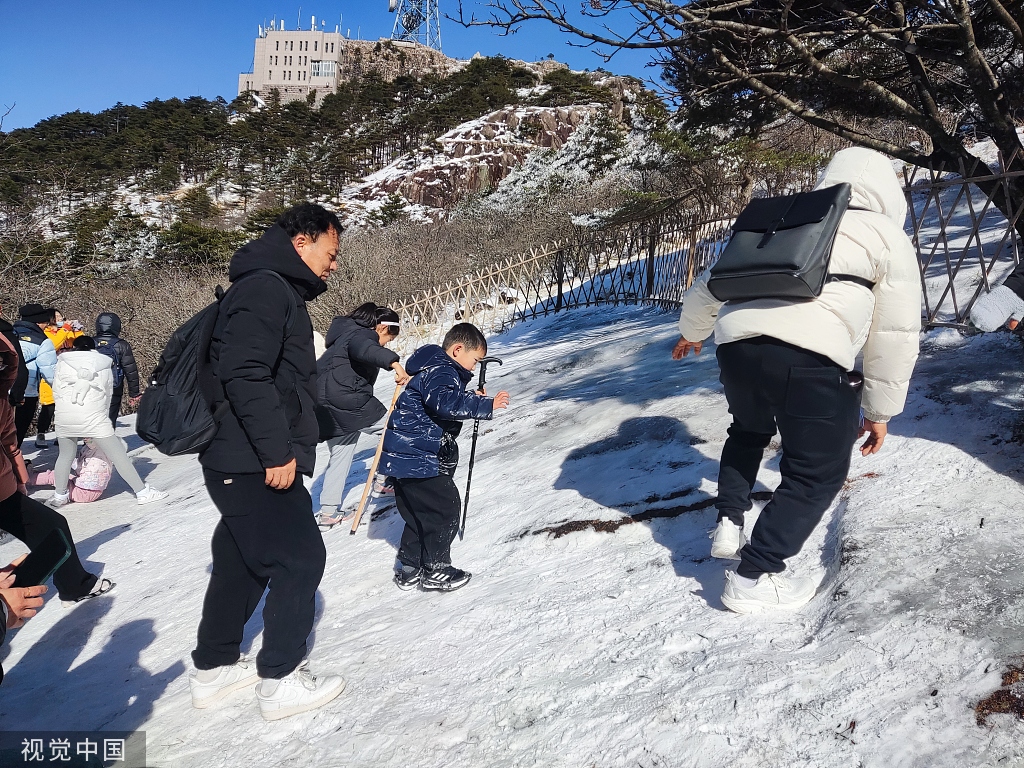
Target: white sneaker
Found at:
772, 590
727, 540
211, 685
59, 500
298, 692
148, 494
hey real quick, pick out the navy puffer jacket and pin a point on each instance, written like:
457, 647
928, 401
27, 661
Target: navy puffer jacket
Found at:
420, 439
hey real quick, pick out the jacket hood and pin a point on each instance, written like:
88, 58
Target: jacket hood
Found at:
432, 356
9, 357
342, 326
274, 251
875, 185
86, 362
108, 324
29, 331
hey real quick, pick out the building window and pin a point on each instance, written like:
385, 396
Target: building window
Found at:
323, 68
270, 74
314, 46
277, 45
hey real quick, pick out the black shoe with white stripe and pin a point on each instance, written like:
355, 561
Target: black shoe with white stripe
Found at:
407, 578
444, 578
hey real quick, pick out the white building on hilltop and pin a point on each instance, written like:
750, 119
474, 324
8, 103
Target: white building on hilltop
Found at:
300, 61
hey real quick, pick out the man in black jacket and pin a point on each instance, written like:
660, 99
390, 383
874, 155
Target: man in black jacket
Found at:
18, 389
261, 384
123, 365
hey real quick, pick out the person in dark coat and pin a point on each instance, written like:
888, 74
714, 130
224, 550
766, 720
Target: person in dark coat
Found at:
346, 372
420, 453
260, 382
17, 393
126, 370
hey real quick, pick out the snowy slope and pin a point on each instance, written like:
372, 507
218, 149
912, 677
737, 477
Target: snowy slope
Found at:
594, 649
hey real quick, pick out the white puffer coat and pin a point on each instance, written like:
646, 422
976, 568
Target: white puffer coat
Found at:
847, 317
81, 394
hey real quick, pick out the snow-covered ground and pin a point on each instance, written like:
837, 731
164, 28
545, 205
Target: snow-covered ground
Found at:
593, 649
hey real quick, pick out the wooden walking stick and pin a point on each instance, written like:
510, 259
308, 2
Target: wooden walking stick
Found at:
373, 466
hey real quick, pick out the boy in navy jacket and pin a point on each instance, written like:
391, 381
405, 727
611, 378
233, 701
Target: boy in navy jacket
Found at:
421, 454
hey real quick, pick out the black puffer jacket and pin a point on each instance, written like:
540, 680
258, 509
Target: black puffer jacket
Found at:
262, 355
345, 377
108, 332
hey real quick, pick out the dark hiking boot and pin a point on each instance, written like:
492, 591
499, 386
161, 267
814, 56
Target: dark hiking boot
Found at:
444, 578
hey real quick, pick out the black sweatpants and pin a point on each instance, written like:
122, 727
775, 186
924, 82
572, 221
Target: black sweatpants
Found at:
115, 403
30, 522
23, 415
264, 538
770, 384
45, 420
430, 507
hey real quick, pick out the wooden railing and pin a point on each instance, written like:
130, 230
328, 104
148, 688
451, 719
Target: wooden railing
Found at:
651, 261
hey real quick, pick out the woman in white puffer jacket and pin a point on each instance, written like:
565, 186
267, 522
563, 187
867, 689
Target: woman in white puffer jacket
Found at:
787, 365
84, 383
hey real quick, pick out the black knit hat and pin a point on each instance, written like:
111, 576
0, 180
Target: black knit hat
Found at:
36, 313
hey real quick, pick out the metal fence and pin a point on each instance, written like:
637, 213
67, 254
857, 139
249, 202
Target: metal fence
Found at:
650, 261
965, 244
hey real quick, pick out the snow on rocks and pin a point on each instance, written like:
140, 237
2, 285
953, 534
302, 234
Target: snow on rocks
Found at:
609, 649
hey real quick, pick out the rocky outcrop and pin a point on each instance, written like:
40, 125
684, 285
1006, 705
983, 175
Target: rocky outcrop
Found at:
475, 156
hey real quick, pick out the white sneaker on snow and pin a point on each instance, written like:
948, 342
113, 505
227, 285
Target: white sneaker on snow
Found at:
297, 692
771, 591
727, 540
209, 686
59, 500
148, 494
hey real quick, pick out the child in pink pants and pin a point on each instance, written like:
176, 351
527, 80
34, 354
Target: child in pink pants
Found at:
92, 470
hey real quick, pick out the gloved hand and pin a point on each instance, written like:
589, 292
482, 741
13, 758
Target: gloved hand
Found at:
993, 309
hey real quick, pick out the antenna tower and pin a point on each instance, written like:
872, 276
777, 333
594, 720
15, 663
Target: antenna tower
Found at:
417, 21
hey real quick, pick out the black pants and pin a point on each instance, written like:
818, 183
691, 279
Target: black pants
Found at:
430, 507
45, 420
264, 538
23, 415
29, 521
769, 385
115, 403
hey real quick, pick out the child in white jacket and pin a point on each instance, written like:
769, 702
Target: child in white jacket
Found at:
82, 391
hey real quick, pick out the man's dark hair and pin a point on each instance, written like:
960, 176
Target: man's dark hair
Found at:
308, 219
83, 343
466, 334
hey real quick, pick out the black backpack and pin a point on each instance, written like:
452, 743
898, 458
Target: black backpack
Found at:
108, 348
781, 248
174, 412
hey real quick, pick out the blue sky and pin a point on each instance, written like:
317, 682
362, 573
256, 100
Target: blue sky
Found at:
61, 55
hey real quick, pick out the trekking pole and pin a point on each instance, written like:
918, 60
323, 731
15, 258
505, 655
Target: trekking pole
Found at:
373, 466
476, 432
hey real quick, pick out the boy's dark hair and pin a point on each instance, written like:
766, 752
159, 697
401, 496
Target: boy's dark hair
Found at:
308, 219
83, 344
466, 334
